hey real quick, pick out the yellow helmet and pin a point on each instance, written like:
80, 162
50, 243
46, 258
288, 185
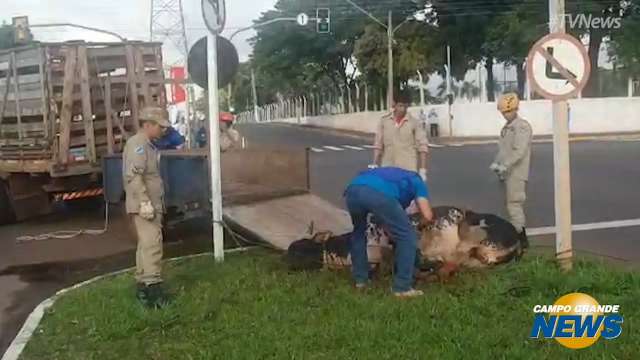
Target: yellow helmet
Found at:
508, 102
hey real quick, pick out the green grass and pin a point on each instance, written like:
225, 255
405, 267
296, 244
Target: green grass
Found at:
251, 307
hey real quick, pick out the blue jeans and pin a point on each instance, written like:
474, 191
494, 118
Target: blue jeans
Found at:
362, 200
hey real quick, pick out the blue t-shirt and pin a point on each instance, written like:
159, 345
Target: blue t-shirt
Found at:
170, 140
402, 185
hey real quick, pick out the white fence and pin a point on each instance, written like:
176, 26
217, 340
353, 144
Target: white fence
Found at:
587, 116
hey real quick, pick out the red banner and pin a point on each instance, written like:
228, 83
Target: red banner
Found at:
178, 93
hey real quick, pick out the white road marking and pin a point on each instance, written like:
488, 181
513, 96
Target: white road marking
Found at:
436, 146
548, 230
368, 146
353, 147
316, 150
334, 148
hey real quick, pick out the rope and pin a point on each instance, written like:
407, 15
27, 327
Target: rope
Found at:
68, 234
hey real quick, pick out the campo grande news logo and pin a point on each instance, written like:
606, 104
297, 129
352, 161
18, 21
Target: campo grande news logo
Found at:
577, 321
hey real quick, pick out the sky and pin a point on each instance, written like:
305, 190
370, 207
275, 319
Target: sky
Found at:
129, 18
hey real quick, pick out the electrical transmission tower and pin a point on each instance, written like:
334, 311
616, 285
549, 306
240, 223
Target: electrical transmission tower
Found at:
166, 25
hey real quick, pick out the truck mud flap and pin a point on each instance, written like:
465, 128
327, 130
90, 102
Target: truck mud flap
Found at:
28, 197
7, 216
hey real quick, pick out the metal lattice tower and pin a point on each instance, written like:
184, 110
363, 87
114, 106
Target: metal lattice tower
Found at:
167, 26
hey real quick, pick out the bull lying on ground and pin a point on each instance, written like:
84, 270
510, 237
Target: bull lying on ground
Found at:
457, 239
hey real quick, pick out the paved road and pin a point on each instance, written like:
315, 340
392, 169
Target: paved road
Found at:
604, 181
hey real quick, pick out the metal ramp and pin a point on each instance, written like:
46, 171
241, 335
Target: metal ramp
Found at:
284, 220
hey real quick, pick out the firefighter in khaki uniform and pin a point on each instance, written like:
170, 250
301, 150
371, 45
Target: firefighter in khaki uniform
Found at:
229, 137
144, 202
401, 141
512, 162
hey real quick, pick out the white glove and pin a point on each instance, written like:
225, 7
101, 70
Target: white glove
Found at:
499, 169
423, 174
147, 211
372, 166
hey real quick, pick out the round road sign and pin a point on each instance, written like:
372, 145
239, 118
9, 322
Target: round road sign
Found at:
227, 62
213, 13
302, 19
558, 66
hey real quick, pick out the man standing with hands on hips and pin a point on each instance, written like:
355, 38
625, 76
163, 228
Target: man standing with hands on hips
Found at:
513, 161
401, 141
144, 203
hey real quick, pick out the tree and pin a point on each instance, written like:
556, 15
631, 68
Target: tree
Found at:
464, 26
292, 59
512, 34
625, 49
596, 35
415, 48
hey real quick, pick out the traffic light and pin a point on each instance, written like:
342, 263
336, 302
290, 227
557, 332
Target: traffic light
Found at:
323, 22
21, 31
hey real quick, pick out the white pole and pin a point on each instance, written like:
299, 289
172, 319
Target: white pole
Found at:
357, 96
630, 87
390, 62
255, 96
214, 148
561, 158
421, 79
366, 97
449, 91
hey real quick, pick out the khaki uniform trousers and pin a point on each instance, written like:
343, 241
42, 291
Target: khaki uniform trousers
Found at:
515, 190
149, 251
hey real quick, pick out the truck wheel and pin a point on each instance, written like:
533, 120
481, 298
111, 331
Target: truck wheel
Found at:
7, 216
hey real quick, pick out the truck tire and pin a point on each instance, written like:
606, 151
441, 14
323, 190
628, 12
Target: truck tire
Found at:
7, 216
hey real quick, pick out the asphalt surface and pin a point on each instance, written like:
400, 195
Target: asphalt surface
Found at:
604, 178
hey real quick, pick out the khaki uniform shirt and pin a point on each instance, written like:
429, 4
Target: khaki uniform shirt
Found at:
514, 148
400, 144
142, 181
229, 139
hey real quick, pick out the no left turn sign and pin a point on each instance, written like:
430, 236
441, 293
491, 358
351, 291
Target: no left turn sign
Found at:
558, 66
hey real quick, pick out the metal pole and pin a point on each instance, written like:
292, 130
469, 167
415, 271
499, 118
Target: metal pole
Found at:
421, 88
187, 88
561, 158
366, 97
255, 96
214, 148
449, 96
390, 61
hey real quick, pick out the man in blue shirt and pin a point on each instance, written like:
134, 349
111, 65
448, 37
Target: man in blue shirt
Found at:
170, 140
387, 192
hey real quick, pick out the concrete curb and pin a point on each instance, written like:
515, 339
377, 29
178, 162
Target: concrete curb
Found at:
30, 325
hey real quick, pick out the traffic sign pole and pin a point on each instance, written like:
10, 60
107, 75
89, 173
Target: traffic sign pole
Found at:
214, 147
561, 158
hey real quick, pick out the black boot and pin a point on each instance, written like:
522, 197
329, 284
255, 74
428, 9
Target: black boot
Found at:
152, 296
524, 240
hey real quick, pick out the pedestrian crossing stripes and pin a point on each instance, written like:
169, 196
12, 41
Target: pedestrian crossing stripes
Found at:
324, 148
353, 147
